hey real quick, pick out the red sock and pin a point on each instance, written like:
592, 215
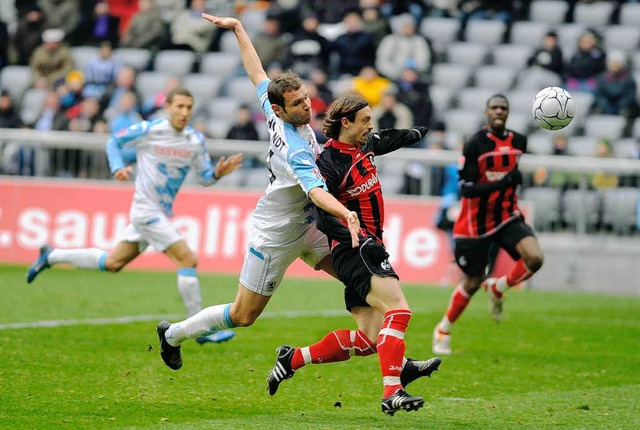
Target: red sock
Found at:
391, 349
519, 273
459, 301
339, 345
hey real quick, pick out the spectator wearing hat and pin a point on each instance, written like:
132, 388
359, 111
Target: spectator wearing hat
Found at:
51, 61
616, 89
549, 55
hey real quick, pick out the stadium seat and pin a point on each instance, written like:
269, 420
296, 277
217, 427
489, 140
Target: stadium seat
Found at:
636, 77
174, 62
15, 79
136, 58
223, 108
463, 121
341, 85
486, 32
83, 54
529, 33
520, 100
31, 105
581, 206
467, 53
440, 98
149, 84
549, 11
222, 64
534, 79
583, 102
625, 37
474, 97
256, 178
626, 148
253, 20
218, 128
229, 43
583, 146
608, 126
635, 62
630, 14
520, 122
453, 76
540, 143
568, 34
242, 89
511, 56
440, 31
596, 14
497, 78
620, 209
546, 207
201, 85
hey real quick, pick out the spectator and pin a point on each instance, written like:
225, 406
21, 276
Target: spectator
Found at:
9, 118
125, 82
318, 105
549, 55
309, 50
4, 44
153, 107
28, 34
124, 10
585, 65
414, 8
370, 85
355, 48
372, 21
189, 31
243, 128
126, 114
616, 90
443, 8
169, 10
101, 26
602, 180
147, 31
320, 79
501, 10
389, 113
100, 71
62, 14
70, 93
403, 49
51, 117
270, 44
51, 61
413, 92
329, 11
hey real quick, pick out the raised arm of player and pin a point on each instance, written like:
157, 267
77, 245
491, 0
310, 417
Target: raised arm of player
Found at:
250, 59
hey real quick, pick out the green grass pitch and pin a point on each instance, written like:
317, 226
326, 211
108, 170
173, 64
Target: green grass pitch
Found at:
567, 361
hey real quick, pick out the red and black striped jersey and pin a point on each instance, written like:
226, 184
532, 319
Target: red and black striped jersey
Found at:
352, 178
486, 159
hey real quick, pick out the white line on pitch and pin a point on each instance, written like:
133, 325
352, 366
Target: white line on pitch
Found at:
147, 318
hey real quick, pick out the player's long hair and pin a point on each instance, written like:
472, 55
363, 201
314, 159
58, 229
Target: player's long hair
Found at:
345, 106
280, 84
178, 91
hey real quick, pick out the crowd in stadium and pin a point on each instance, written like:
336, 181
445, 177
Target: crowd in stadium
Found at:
102, 65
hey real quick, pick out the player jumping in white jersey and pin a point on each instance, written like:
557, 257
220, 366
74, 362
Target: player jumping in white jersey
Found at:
166, 151
283, 227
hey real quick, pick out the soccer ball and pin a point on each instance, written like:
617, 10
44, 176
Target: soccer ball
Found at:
553, 108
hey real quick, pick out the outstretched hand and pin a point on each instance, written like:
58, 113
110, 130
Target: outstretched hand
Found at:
224, 166
228, 23
353, 223
123, 174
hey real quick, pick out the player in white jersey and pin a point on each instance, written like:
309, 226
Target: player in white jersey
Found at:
283, 227
167, 150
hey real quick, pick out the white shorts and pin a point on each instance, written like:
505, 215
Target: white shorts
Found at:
151, 228
268, 257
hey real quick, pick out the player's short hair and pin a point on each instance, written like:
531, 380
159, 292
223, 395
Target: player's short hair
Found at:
345, 106
178, 91
280, 84
498, 96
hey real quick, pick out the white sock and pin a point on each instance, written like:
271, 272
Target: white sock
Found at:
189, 289
83, 258
445, 325
501, 284
203, 323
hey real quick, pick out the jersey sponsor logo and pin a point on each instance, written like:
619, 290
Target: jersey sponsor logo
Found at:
364, 187
171, 152
317, 174
495, 176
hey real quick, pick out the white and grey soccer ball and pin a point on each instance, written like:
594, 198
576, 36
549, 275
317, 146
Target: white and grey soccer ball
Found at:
553, 108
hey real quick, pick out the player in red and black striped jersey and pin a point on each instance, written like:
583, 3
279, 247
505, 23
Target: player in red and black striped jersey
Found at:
489, 217
372, 289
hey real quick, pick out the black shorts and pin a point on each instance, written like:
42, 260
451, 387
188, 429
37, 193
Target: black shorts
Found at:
472, 255
355, 271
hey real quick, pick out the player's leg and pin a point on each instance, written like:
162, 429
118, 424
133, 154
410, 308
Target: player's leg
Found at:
188, 284
89, 258
471, 257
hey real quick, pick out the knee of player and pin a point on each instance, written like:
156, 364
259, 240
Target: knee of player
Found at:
113, 266
244, 319
534, 261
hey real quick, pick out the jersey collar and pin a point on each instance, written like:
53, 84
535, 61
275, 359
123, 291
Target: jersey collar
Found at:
341, 145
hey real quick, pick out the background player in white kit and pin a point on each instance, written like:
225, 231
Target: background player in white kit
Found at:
283, 227
166, 150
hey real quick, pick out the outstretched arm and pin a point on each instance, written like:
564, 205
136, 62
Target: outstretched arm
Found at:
250, 59
325, 201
